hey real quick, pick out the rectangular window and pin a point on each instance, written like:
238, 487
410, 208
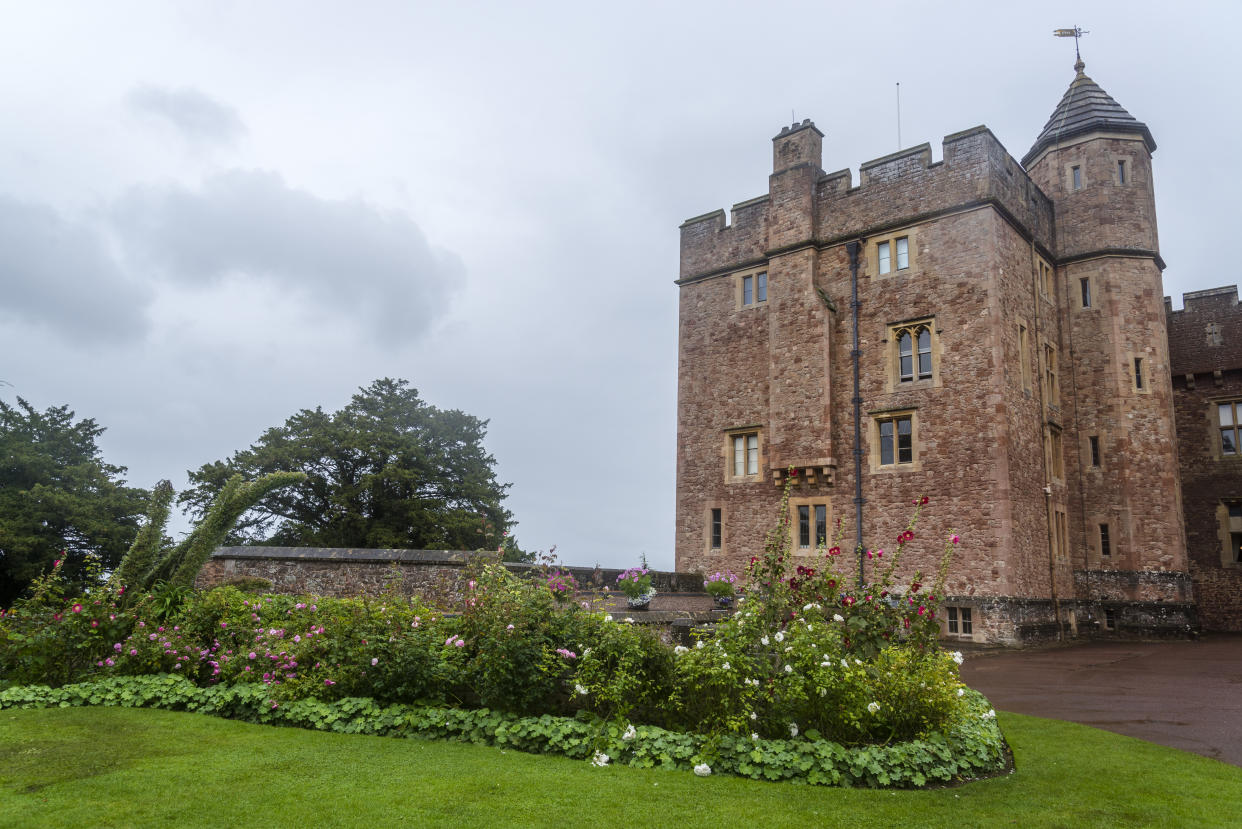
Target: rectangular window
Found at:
1085, 285
745, 455
960, 621
717, 529
883, 253
1050, 376
1047, 284
1121, 172
1095, 450
896, 440
748, 290
761, 286
1060, 529
1024, 356
821, 525
1138, 372
1105, 545
1110, 620
1056, 462
1227, 416
804, 527
903, 253
1076, 174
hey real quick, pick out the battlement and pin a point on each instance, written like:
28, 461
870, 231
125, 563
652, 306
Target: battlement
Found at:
1206, 334
902, 187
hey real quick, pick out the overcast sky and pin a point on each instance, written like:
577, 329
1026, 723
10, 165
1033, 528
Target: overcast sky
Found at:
214, 214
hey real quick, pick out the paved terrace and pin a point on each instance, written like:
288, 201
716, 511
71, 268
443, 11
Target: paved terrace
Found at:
1186, 695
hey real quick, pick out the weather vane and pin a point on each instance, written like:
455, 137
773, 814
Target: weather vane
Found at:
1075, 33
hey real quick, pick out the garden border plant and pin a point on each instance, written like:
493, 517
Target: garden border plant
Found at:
974, 748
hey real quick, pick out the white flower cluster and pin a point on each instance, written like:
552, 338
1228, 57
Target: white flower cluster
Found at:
630, 733
873, 707
680, 649
991, 715
957, 657
702, 770
600, 759
580, 690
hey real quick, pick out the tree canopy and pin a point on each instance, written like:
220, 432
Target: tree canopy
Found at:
58, 496
388, 470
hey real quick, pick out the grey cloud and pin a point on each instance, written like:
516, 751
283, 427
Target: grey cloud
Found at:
198, 117
59, 273
345, 256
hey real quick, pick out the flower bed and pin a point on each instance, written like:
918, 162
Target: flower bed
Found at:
973, 748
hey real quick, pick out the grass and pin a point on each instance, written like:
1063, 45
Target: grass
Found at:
104, 767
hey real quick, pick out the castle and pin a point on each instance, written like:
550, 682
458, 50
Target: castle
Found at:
989, 334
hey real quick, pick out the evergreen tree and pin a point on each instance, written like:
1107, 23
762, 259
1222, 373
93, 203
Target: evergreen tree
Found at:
58, 497
388, 470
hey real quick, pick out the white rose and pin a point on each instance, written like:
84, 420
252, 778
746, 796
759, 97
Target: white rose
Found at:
630, 733
780, 636
764, 640
789, 669
837, 617
680, 649
698, 644
702, 770
600, 759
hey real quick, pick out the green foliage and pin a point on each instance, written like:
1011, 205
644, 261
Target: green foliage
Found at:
388, 470
974, 748
149, 544
187, 558
58, 498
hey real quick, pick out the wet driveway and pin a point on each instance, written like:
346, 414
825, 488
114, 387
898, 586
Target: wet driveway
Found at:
1187, 695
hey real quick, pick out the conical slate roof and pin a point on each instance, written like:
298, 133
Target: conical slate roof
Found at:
1086, 108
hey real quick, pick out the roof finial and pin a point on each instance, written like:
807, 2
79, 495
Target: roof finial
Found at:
1075, 33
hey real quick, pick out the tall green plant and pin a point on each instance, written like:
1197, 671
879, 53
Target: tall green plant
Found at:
148, 561
149, 543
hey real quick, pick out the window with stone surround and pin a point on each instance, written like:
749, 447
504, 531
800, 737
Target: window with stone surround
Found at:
1234, 553
1024, 356
1052, 389
892, 254
751, 288
717, 528
1060, 533
1094, 443
1084, 292
1056, 458
1047, 281
1106, 544
914, 348
743, 454
960, 622
810, 519
894, 440
1229, 424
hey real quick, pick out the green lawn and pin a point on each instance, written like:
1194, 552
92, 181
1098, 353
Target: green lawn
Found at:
101, 767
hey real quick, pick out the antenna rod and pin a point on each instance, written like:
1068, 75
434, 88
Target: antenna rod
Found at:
899, 115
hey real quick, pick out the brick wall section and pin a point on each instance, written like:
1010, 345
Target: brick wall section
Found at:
1205, 347
437, 576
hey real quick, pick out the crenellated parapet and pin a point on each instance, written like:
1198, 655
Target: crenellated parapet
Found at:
903, 188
